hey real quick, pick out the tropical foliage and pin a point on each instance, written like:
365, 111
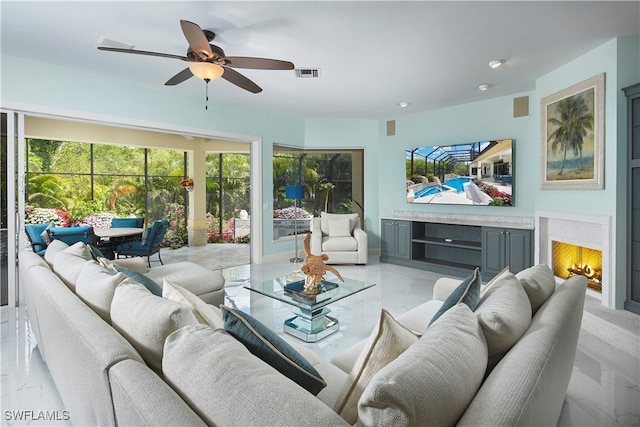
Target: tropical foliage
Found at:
82, 183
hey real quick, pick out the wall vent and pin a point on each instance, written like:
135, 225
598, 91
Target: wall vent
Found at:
307, 73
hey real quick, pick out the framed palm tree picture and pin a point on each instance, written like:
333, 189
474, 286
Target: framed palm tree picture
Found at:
573, 137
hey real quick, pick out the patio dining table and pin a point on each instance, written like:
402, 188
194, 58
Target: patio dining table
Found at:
108, 235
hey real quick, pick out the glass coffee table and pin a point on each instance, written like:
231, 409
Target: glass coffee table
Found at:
311, 322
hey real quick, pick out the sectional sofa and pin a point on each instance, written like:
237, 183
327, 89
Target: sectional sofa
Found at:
120, 355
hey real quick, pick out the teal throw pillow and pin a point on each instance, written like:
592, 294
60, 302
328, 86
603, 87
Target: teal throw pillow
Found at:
148, 283
468, 292
268, 346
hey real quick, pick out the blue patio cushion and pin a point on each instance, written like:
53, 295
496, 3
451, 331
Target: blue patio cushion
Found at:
127, 222
34, 232
71, 235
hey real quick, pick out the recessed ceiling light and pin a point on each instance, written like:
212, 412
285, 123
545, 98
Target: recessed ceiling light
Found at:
403, 104
483, 87
496, 63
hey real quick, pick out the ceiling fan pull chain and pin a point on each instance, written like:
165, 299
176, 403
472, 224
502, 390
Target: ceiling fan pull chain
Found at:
206, 94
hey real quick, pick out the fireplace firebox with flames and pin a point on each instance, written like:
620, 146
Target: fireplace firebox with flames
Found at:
571, 260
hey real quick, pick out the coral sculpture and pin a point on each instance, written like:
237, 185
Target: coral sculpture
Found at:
315, 269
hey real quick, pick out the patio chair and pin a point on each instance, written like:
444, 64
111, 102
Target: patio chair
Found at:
148, 246
37, 238
125, 223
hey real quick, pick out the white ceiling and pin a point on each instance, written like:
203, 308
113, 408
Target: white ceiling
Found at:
371, 54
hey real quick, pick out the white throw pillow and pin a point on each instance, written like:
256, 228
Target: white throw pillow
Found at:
69, 263
96, 286
146, 320
387, 341
493, 281
539, 283
326, 217
54, 248
205, 313
505, 315
433, 382
340, 227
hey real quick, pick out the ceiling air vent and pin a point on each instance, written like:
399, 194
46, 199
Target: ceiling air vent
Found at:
307, 73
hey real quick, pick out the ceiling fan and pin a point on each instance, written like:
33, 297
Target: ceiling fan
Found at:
209, 61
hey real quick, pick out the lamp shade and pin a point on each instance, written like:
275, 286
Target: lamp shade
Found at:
206, 70
294, 191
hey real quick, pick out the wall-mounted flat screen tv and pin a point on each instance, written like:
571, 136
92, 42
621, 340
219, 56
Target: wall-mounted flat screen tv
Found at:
475, 174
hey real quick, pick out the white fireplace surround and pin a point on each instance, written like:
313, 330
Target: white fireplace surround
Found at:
591, 231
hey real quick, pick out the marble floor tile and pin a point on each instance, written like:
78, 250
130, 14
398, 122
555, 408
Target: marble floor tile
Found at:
604, 388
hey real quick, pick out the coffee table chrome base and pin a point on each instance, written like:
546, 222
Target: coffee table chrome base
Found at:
311, 326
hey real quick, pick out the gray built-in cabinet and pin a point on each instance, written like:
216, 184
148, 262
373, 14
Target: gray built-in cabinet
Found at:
396, 239
455, 249
504, 247
632, 302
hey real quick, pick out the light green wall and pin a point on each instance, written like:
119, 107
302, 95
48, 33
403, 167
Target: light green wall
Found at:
619, 59
479, 121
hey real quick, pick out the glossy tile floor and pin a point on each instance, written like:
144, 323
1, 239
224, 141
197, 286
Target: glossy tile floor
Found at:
604, 388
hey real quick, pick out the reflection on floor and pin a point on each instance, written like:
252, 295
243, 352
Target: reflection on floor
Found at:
604, 388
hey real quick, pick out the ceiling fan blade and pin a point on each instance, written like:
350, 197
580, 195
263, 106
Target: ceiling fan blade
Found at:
180, 77
238, 79
197, 40
258, 63
143, 52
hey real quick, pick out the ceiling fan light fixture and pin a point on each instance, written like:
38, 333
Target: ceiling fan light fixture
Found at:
206, 70
496, 63
403, 104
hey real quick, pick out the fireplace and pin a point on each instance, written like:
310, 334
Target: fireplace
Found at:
577, 243
573, 260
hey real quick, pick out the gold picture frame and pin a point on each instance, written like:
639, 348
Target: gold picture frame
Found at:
572, 137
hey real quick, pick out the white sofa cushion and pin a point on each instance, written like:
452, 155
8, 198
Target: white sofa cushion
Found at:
539, 283
146, 320
339, 244
505, 315
387, 341
227, 385
69, 262
433, 382
54, 248
205, 314
96, 286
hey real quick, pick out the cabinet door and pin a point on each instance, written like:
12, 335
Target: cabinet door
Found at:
518, 255
389, 238
493, 250
403, 241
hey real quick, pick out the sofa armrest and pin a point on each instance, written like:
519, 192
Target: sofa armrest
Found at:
363, 245
443, 287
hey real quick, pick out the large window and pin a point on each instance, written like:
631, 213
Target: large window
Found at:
228, 195
332, 180
83, 178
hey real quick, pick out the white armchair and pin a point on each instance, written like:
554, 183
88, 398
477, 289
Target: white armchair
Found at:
341, 237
